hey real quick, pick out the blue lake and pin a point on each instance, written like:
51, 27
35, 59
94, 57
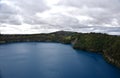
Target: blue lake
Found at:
52, 60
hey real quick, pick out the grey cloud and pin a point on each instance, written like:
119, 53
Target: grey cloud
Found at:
31, 6
11, 9
103, 11
111, 4
75, 15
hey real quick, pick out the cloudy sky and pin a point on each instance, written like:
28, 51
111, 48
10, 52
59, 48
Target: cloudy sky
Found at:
44, 16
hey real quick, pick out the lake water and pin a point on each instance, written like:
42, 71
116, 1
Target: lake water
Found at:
52, 60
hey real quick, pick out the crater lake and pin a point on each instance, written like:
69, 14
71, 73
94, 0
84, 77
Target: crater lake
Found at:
52, 60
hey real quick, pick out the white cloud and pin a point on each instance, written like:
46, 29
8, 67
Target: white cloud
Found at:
37, 16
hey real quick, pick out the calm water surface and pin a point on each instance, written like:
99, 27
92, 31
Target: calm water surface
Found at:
52, 60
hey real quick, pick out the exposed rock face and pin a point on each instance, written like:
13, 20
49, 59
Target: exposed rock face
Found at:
112, 61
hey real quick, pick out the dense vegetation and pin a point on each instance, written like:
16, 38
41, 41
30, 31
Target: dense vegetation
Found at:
107, 45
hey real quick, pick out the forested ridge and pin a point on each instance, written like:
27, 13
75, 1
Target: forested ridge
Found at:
107, 45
